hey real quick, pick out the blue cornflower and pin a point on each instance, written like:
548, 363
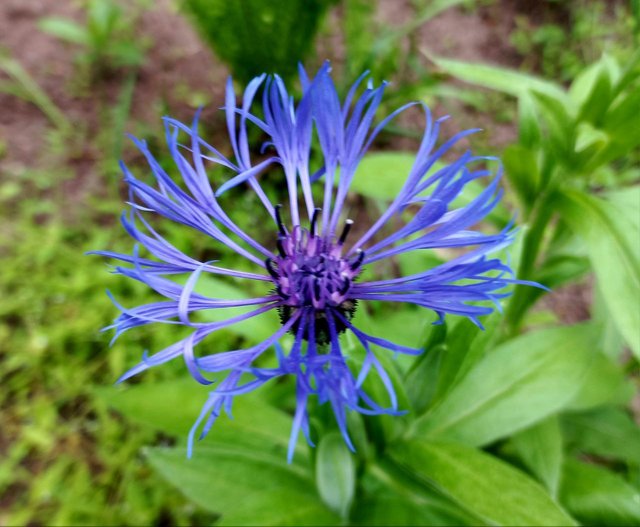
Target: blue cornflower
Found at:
312, 268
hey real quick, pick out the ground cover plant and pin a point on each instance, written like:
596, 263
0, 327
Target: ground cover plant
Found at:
532, 420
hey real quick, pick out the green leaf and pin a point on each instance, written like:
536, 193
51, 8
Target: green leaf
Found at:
611, 235
605, 383
606, 432
485, 486
529, 132
560, 123
598, 497
382, 175
65, 29
540, 448
583, 84
335, 473
600, 96
246, 486
501, 79
389, 497
173, 406
422, 380
254, 330
518, 384
465, 345
521, 168
385, 509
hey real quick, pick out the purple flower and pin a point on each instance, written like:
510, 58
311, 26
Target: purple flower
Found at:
312, 268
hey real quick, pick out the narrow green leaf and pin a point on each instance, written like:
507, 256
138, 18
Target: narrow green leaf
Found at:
493, 490
596, 496
600, 96
582, 85
611, 237
540, 448
529, 132
606, 432
65, 29
518, 384
501, 79
335, 473
560, 120
521, 168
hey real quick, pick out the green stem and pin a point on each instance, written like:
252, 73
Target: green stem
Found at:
522, 297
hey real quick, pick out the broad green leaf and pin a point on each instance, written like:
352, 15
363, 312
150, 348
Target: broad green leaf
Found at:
389, 497
605, 383
465, 345
173, 406
254, 330
596, 496
540, 448
589, 140
560, 269
501, 79
335, 473
381, 175
627, 203
600, 96
611, 236
518, 384
247, 486
387, 427
606, 432
385, 509
279, 507
485, 486
422, 380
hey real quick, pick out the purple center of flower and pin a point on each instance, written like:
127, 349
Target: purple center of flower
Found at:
311, 273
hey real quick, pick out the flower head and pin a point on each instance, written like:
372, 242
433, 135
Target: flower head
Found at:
312, 269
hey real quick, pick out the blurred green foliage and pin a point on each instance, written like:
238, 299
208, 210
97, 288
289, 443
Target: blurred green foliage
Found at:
561, 50
504, 428
107, 39
254, 36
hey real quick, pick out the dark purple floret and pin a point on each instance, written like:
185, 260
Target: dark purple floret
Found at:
311, 273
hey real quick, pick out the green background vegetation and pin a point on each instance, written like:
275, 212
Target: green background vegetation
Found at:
531, 422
